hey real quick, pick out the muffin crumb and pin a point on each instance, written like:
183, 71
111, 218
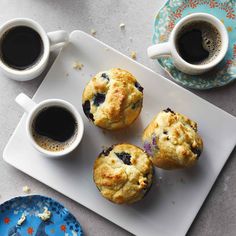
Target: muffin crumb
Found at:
26, 189
21, 220
46, 215
122, 26
133, 55
93, 32
78, 66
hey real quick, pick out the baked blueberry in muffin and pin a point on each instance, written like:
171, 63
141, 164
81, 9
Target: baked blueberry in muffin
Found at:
123, 173
172, 141
113, 99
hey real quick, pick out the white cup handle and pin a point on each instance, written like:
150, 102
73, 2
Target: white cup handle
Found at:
159, 50
25, 102
58, 38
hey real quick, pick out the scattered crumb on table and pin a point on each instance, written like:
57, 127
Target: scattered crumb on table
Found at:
77, 65
26, 189
93, 32
173, 202
133, 55
130, 39
67, 74
122, 26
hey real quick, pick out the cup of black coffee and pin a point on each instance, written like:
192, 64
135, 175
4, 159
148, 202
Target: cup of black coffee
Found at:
197, 43
25, 48
54, 126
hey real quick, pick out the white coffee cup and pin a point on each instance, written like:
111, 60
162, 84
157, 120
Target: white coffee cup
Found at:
170, 48
50, 41
32, 109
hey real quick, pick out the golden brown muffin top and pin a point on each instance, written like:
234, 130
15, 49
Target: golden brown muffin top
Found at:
112, 99
123, 173
172, 140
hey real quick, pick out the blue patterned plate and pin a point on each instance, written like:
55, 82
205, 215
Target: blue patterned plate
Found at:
61, 223
172, 12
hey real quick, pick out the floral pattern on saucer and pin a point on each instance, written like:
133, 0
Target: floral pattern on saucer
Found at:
61, 223
171, 13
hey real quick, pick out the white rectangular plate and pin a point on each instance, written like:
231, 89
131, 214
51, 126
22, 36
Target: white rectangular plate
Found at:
171, 205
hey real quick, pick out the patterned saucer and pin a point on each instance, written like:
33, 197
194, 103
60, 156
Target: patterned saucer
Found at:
171, 13
61, 223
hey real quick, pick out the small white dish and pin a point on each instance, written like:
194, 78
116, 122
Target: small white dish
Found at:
171, 206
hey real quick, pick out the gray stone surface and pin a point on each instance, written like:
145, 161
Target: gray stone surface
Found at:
218, 214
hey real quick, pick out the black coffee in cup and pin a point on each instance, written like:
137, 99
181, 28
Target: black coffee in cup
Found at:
199, 42
54, 128
21, 47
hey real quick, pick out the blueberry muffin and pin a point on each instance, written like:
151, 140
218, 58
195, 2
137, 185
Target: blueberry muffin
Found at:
123, 173
113, 99
171, 139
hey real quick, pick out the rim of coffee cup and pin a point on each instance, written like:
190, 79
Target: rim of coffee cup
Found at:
46, 45
209, 19
64, 104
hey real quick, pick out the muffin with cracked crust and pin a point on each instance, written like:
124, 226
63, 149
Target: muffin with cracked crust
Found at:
172, 141
113, 99
123, 173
